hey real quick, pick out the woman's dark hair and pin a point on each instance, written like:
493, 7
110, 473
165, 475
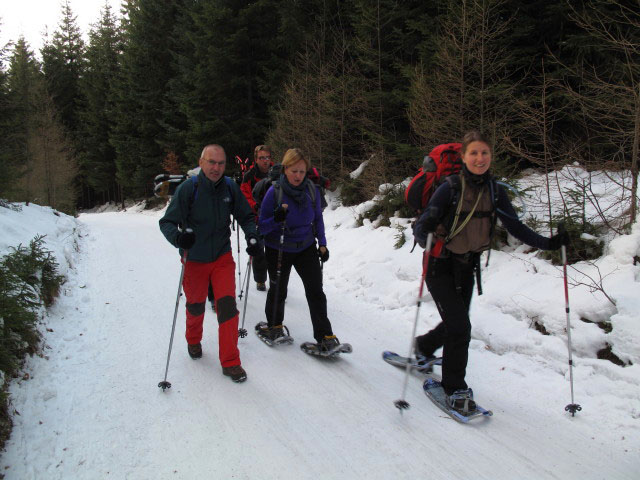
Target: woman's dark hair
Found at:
474, 136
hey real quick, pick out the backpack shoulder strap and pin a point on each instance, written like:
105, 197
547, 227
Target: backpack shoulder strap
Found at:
194, 191
228, 181
277, 189
312, 191
455, 184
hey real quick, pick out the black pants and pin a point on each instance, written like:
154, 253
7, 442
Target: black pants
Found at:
259, 269
450, 282
307, 264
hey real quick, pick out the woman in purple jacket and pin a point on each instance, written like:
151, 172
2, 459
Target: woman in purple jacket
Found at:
291, 221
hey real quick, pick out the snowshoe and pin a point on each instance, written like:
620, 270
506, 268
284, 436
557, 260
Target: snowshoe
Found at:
330, 346
276, 335
420, 364
460, 398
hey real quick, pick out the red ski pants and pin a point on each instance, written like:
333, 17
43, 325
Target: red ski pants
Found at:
221, 274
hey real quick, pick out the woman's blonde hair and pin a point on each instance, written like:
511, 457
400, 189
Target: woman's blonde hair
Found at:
293, 156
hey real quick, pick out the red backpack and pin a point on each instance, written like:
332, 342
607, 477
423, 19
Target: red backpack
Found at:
444, 160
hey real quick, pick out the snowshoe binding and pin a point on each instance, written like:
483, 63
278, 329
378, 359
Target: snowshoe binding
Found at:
330, 346
462, 401
421, 364
276, 335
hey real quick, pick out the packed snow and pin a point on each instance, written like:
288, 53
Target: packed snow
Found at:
91, 408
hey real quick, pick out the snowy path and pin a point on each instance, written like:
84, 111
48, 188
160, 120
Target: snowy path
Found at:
93, 409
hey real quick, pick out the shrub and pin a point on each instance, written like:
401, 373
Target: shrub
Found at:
29, 279
386, 206
581, 247
352, 192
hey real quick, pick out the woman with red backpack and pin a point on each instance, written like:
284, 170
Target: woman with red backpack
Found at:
461, 216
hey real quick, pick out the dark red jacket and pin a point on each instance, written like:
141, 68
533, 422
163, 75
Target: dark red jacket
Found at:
249, 180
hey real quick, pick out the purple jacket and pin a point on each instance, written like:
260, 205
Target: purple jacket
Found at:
303, 225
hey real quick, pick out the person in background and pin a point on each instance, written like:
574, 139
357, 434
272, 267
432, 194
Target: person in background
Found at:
259, 170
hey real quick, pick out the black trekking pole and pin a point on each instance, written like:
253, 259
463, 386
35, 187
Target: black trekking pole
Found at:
237, 228
242, 332
164, 384
402, 404
572, 407
279, 266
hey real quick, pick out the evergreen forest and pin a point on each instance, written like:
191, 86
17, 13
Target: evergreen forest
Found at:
85, 122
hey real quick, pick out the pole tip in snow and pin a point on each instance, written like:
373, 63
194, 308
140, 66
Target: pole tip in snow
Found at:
242, 333
573, 408
164, 385
401, 405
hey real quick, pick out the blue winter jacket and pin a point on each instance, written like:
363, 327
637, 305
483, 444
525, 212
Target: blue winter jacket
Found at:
302, 225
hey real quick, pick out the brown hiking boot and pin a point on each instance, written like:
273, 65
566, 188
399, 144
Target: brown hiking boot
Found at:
195, 351
236, 373
261, 286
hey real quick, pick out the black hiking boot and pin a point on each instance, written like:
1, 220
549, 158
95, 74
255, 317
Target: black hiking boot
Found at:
329, 343
462, 401
195, 351
273, 335
423, 359
236, 373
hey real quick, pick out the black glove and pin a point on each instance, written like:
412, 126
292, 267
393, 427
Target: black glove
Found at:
425, 225
280, 214
186, 239
429, 222
559, 239
323, 253
255, 247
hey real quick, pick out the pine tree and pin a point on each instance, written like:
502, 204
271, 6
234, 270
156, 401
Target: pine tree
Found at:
8, 165
98, 161
228, 51
469, 81
383, 53
53, 173
21, 83
63, 65
322, 103
38, 139
139, 93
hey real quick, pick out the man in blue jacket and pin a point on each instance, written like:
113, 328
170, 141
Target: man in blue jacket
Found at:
204, 204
